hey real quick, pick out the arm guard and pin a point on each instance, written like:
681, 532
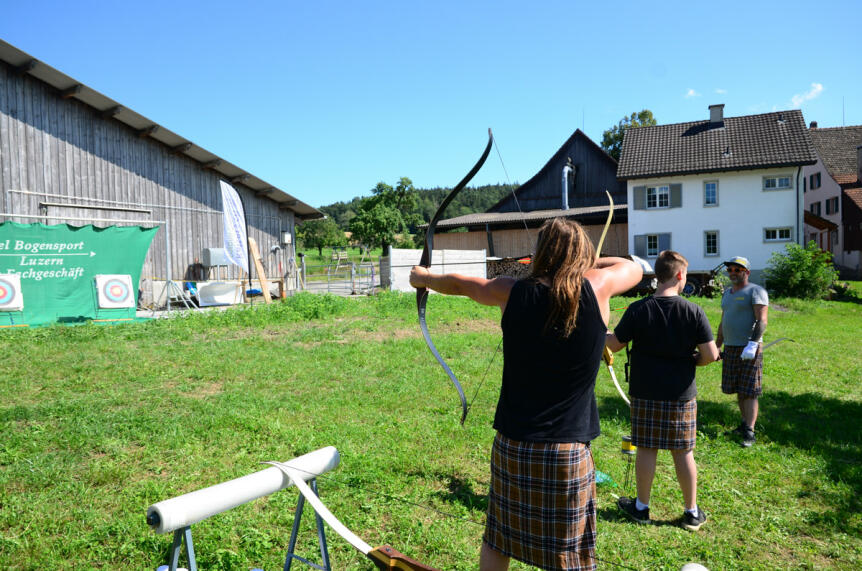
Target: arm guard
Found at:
757, 331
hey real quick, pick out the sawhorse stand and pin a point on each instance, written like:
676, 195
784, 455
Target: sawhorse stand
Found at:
185, 534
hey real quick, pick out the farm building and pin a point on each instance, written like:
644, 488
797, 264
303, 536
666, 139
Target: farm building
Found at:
571, 184
70, 155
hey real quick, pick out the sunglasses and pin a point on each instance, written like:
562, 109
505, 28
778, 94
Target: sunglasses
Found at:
735, 269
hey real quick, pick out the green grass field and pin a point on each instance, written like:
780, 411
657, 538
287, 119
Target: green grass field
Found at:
100, 422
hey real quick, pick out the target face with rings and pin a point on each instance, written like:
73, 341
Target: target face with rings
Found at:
115, 291
10, 293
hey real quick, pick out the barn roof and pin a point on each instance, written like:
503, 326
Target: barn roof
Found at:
69, 88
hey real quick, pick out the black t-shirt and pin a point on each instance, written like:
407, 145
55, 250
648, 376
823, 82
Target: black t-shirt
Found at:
665, 332
547, 393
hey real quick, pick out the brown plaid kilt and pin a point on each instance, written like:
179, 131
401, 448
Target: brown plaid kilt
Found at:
739, 376
663, 424
542, 503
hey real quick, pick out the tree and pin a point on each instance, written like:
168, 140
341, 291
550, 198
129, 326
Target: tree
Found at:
388, 212
320, 233
612, 139
805, 273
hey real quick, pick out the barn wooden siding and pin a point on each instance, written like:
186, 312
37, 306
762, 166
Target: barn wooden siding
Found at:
521, 242
595, 173
55, 150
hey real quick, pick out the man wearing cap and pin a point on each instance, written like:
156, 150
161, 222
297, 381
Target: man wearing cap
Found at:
744, 307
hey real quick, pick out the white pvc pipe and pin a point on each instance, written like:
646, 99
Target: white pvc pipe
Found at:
182, 511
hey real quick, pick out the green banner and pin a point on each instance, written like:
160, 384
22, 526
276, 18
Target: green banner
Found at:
57, 267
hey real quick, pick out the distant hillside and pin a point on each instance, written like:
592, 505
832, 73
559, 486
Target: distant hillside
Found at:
468, 201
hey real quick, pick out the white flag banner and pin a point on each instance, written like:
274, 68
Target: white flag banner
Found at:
235, 237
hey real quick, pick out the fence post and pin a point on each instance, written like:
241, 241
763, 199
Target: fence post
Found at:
352, 278
303, 272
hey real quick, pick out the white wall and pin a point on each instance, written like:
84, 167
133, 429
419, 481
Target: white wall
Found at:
828, 189
744, 210
467, 262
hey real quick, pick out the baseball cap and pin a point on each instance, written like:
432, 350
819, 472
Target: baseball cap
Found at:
739, 261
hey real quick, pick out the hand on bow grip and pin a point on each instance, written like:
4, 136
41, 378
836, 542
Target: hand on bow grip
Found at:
750, 351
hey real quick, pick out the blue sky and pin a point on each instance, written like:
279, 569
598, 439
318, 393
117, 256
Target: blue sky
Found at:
323, 99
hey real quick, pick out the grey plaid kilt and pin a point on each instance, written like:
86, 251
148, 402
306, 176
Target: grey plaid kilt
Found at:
739, 376
542, 503
662, 424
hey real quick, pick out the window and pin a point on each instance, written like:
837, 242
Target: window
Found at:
835, 238
776, 234
658, 197
710, 245
710, 193
832, 205
650, 245
814, 181
815, 208
779, 182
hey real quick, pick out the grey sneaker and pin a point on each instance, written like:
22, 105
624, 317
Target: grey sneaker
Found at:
748, 438
629, 507
692, 522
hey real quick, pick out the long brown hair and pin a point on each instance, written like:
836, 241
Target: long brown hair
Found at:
563, 254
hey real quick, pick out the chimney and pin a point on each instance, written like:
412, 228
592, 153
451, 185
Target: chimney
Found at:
813, 125
716, 115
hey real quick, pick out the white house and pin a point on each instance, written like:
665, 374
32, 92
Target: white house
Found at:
830, 186
717, 188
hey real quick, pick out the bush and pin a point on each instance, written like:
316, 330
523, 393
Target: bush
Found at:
805, 273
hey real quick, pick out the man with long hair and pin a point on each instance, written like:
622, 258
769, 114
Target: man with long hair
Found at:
665, 329
542, 497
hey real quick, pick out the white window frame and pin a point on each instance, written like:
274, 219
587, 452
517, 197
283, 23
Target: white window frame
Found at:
706, 184
775, 234
773, 182
706, 236
652, 252
659, 194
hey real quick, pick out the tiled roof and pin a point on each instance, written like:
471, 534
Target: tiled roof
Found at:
750, 142
854, 194
495, 218
837, 147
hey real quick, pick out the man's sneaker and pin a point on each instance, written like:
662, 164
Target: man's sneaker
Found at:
629, 506
740, 430
748, 438
692, 522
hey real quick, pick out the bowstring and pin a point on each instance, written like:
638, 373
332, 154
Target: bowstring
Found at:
529, 235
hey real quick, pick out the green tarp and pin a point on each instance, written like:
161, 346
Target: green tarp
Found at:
58, 264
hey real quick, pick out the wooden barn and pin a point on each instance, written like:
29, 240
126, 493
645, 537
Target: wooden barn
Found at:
572, 184
69, 154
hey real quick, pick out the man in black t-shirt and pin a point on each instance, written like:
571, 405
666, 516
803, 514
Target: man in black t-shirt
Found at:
665, 330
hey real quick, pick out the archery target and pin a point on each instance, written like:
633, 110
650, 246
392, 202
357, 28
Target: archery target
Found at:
115, 291
10, 293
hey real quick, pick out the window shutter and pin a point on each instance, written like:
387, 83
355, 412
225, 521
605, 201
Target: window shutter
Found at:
640, 245
663, 242
676, 196
640, 197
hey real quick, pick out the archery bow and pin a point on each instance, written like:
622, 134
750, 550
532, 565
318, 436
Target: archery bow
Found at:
779, 340
425, 261
607, 355
384, 557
